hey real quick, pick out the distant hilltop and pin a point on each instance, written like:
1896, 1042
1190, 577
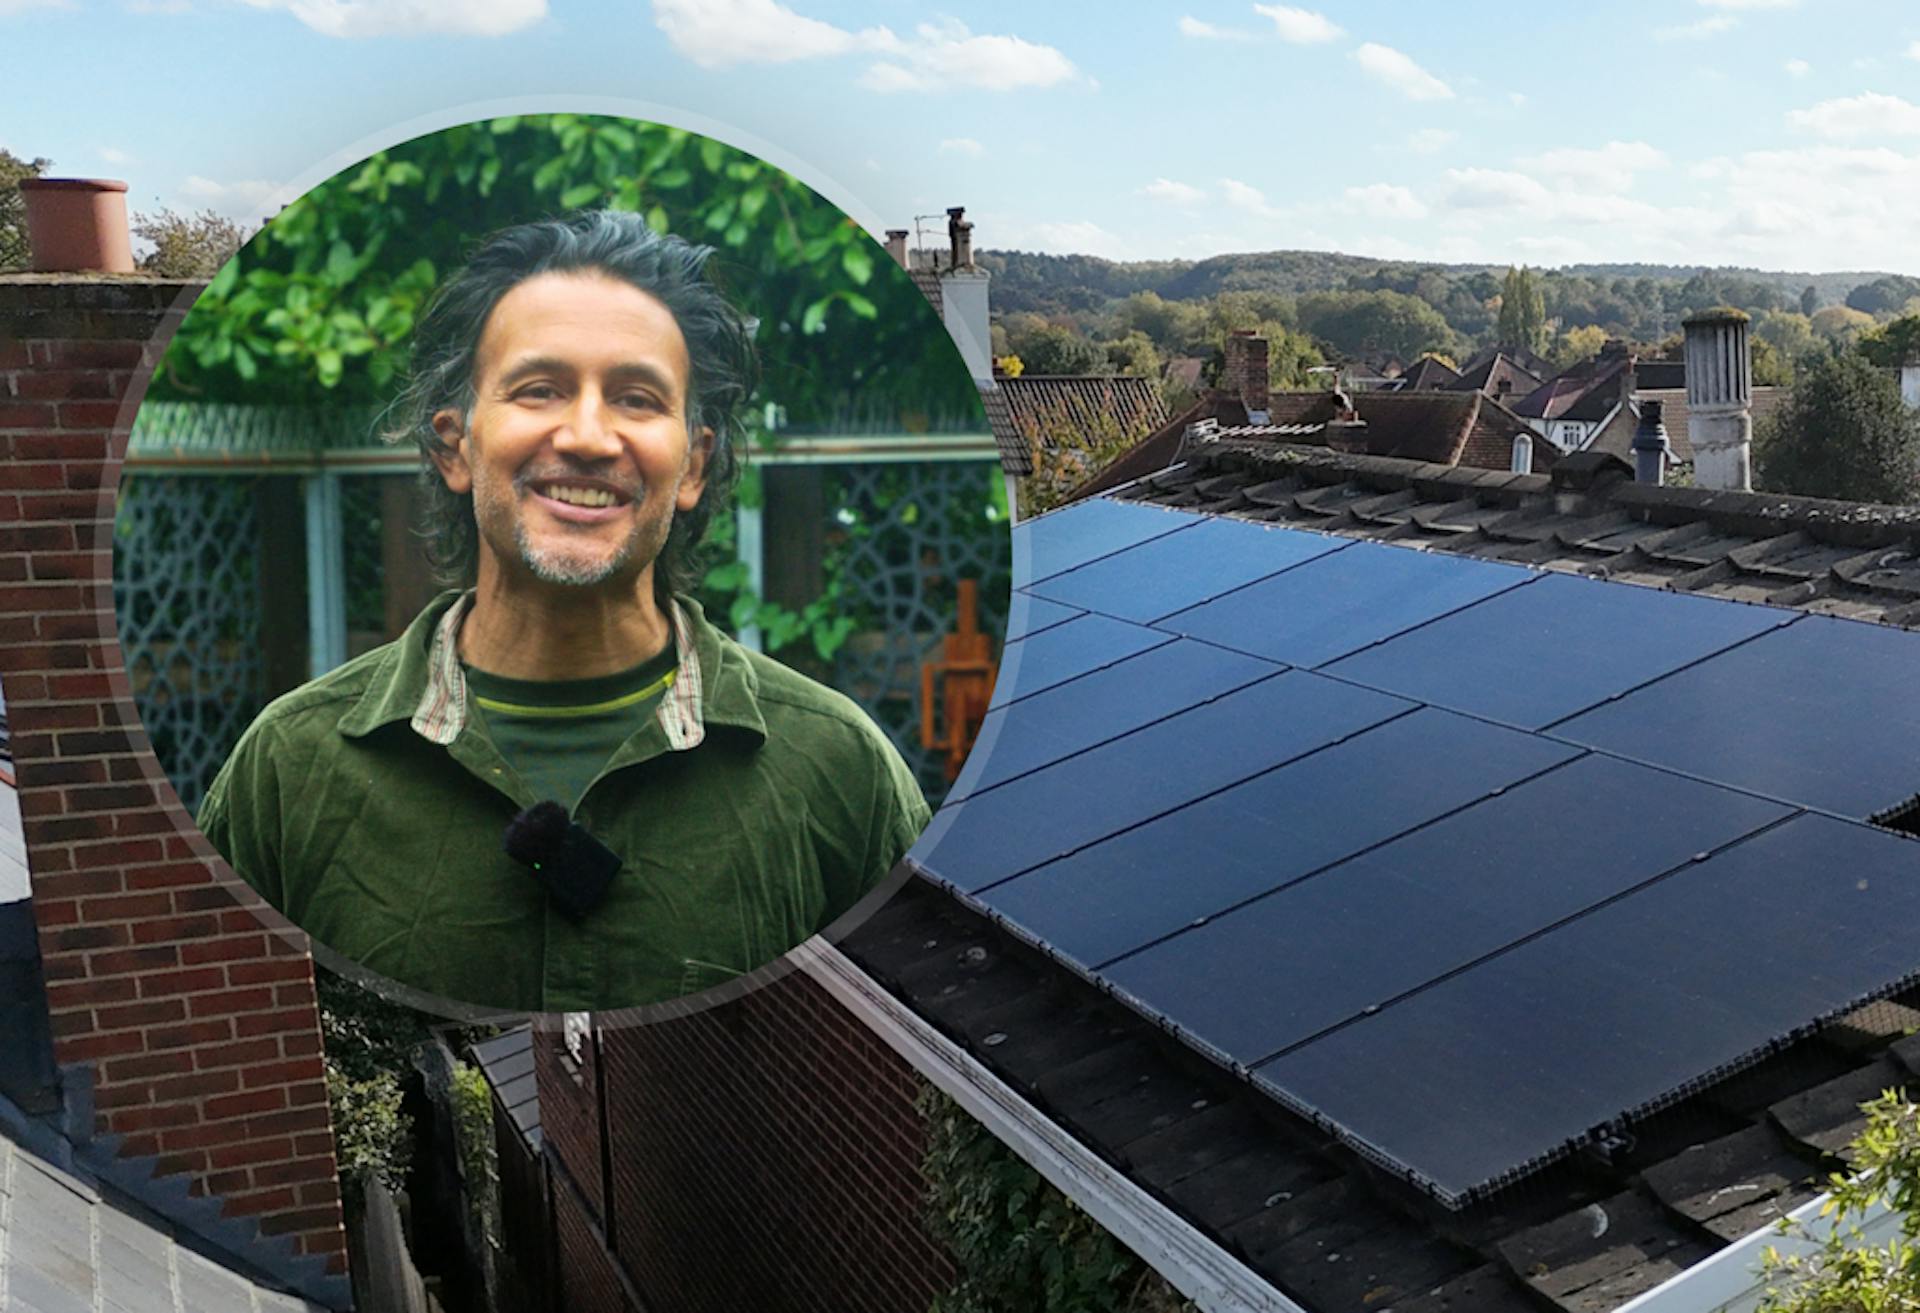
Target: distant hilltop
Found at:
1067, 284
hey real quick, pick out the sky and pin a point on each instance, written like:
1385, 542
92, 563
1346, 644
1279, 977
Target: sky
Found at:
1783, 134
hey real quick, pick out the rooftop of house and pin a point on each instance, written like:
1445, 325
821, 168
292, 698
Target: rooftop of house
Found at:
1617, 437
1490, 373
67, 1245
1331, 1217
1427, 373
1034, 410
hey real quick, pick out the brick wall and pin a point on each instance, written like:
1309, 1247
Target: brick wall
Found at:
200, 1030
1245, 371
764, 1154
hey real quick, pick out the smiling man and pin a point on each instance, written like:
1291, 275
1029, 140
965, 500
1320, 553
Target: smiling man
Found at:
561, 788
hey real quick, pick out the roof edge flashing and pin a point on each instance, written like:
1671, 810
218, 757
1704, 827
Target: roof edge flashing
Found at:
1198, 1267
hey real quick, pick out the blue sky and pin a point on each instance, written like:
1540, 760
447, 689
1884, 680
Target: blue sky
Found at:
1779, 133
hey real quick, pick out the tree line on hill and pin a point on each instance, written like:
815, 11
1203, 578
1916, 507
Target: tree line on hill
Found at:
1079, 314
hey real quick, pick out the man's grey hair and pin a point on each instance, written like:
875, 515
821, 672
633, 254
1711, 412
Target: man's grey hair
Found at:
617, 245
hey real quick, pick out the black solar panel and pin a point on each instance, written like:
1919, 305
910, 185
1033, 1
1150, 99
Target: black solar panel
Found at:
1176, 571
1341, 602
1534, 654
1073, 716
1077, 647
1090, 796
1465, 861
1153, 881
1028, 615
1400, 916
1088, 531
1486, 1074
1823, 713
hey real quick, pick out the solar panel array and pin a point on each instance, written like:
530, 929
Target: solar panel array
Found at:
1465, 861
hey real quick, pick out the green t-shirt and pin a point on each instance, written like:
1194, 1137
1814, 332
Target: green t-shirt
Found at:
558, 734
749, 810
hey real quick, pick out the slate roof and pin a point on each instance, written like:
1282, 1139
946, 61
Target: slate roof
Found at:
1427, 373
1319, 1219
507, 1063
1585, 391
1026, 410
67, 1248
1488, 372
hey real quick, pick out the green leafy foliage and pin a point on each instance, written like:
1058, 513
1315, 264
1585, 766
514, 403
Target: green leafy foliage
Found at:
1523, 311
1843, 432
1020, 1245
13, 207
369, 1043
1845, 1273
472, 1102
319, 305
1892, 344
187, 245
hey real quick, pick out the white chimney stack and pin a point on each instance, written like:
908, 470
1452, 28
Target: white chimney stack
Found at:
1720, 400
897, 245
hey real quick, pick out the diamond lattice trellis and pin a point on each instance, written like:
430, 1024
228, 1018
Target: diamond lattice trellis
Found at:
911, 531
186, 590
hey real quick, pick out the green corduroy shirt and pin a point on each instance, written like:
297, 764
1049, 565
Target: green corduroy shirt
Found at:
752, 809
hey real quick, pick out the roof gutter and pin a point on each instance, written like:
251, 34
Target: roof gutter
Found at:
1196, 1266
1730, 1281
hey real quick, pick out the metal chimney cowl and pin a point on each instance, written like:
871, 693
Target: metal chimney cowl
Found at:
1720, 399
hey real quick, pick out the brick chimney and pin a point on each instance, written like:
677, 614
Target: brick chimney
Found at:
959, 238
897, 245
186, 1034
1720, 399
1245, 374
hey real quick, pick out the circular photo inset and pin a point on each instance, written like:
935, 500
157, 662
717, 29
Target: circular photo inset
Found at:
559, 560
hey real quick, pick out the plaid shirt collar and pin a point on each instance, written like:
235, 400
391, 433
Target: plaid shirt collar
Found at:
442, 710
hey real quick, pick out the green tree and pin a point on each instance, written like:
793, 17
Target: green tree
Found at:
1770, 365
187, 245
1844, 432
1809, 300
1577, 344
1892, 344
13, 207
1791, 334
1056, 349
1839, 323
1371, 324
318, 306
1844, 1272
1134, 354
1523, 311
1884, 296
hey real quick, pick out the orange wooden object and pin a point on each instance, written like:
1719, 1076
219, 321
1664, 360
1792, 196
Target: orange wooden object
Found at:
963, 678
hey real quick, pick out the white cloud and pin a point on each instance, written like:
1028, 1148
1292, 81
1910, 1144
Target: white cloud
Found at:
241, 200
1610, 166
362, 18
1303, 27
1797, 68
1180, 193
1398, 71
962, 146
1913, 51
1706, 27
1751, 4
1387, 200
1193, 27
716, 33
1483, 189
159, 6
946, 54
21, 6
1518, 98
1868, 115
1244, 196
113, 155
1430, 141
1073, 237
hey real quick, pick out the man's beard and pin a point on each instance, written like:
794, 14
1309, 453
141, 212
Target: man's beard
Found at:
575, 565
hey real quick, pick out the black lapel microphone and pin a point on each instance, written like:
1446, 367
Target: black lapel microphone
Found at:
574, 867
